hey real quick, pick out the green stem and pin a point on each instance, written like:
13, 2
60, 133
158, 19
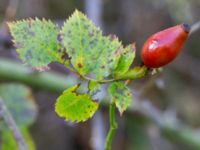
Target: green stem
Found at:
50, 81
113, 127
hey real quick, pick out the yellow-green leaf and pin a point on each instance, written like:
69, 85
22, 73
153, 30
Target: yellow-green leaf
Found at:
75, 107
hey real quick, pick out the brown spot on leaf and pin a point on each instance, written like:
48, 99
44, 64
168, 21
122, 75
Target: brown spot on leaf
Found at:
74, 91
128, 94
80, 65
65, 56
59, 50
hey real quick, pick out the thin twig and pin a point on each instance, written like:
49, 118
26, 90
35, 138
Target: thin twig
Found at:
5, 114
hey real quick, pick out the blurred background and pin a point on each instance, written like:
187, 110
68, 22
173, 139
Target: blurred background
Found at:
166, 107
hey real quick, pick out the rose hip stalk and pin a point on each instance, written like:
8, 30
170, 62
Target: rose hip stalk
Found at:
163, 47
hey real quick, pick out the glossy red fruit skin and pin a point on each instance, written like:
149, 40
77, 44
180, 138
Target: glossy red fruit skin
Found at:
163, 47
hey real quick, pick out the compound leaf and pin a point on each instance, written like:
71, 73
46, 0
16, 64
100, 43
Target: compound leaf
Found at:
91, 53
36, 41
121, 95
75, 107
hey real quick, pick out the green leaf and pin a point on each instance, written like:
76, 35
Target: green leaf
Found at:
91, 53
121, 95
36, 41
19, 101
125, 61
75, 107
93, 87
9, 143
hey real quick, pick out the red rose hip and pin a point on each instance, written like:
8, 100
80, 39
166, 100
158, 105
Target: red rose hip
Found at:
163, 47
